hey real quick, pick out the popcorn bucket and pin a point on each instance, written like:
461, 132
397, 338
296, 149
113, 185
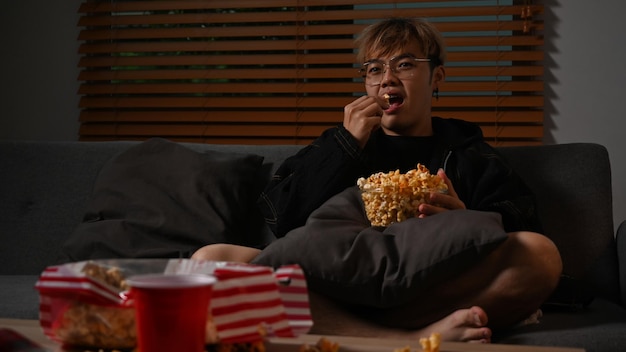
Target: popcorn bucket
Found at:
394, 197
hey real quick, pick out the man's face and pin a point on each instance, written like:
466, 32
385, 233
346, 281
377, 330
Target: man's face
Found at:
409, 111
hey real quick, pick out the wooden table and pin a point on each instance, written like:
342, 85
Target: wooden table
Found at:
31, 330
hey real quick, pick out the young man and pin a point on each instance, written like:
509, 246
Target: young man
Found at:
391, 128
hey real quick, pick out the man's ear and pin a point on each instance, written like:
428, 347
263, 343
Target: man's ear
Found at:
439, 75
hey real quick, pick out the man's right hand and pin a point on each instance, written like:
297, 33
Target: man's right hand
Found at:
362, 117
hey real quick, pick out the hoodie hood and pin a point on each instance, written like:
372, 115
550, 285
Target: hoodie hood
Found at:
455, 133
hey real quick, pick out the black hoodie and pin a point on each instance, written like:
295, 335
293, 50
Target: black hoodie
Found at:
333, 162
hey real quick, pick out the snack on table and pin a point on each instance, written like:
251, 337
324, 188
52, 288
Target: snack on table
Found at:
394, 197
406, 348
87, 305
86, 324
258, 346
428, 344
322, 345
431, 344
105, 326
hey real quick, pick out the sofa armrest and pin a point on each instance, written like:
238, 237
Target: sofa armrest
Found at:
620, 238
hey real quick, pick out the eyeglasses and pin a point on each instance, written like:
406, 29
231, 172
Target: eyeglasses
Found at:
403, 67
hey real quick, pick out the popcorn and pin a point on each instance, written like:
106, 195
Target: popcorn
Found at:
387, 97
432, 343
85, 324
105, 326
322, 345
394, 197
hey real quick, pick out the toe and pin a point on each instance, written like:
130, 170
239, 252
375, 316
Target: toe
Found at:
482, 335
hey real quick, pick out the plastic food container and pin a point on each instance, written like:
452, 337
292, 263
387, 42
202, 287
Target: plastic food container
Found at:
86, 304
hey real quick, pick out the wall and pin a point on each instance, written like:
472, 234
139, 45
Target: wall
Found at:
585, 81
586, 73
39, 59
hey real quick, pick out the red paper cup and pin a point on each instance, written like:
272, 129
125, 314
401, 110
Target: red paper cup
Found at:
171, 311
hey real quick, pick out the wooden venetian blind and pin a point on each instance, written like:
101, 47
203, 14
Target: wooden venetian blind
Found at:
280, 72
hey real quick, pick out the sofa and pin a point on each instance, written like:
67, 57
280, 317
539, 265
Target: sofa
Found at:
46, 187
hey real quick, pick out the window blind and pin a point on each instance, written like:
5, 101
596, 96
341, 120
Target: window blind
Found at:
280, 72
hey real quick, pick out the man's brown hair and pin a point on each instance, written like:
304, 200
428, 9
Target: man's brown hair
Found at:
396, 33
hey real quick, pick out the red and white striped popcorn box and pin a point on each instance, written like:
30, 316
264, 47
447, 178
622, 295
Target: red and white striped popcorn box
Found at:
249, 302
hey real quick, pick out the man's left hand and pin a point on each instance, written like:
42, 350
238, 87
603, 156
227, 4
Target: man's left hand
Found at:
440, 202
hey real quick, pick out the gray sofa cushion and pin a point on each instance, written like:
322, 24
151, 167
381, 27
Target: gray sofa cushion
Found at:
159, 199
572, 184
601, 326
18, 297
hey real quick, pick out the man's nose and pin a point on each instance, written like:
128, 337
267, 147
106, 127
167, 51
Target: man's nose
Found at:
388, 77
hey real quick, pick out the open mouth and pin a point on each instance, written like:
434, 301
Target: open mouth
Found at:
394, 99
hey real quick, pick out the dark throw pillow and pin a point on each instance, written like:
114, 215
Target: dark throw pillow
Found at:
346, 259
159, 199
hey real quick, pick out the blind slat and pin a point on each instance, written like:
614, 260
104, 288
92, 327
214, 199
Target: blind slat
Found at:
287, 73
281, 116
184, 61
282, 102
244, 30
277, 45
454, 60
322, 14
132, 6
291, 88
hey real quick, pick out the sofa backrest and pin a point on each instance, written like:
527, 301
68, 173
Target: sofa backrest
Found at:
572, 183
45, 187
273, 154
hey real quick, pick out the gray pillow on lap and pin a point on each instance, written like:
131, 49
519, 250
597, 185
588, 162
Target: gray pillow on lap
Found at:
345, 258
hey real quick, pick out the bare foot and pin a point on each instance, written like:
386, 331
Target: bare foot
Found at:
331, 318
464, 325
